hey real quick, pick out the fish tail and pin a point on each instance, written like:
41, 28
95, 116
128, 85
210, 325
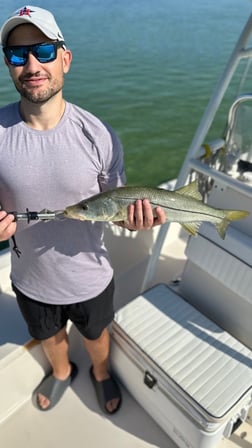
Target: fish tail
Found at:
233, 215
230, 215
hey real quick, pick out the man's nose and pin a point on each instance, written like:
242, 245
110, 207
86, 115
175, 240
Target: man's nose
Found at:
32, 62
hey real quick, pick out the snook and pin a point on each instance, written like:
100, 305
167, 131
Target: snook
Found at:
183, 205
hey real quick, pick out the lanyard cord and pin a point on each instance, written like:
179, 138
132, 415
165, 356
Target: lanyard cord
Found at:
15, 247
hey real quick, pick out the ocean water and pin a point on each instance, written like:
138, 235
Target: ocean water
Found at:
146, 67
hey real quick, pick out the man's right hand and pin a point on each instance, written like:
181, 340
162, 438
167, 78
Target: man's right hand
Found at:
8, 226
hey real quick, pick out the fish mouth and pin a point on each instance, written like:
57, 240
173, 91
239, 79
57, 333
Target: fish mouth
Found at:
59, 214
68, 213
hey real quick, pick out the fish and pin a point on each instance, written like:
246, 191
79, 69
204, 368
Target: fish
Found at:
183, 205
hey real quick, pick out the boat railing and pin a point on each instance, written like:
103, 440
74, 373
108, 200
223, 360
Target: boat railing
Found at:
228, 181
241, 51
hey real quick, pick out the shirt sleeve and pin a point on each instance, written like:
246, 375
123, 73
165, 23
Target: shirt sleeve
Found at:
113, 171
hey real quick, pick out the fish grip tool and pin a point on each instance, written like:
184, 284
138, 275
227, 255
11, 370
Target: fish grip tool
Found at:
43, 215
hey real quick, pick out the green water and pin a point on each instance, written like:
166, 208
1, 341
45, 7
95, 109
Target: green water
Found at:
148, 68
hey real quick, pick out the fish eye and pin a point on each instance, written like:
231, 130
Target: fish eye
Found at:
85, 207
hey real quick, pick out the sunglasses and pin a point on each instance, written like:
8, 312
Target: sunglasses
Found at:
45, 52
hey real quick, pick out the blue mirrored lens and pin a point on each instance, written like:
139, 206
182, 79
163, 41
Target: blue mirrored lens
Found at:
16, 56
44, 53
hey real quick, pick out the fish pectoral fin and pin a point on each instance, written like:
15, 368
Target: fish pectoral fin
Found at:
190, 190
121, 215
191, 227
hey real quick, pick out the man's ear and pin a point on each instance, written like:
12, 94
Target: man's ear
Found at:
67, 59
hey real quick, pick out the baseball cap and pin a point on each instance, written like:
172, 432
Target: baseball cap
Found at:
41, 18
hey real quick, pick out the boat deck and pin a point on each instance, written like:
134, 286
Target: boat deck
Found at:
77, 419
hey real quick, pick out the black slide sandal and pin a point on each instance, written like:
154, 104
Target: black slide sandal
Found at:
53, 389
105, 391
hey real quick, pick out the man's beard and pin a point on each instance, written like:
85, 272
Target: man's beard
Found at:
38, 96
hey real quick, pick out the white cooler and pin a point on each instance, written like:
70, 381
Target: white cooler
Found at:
191, 376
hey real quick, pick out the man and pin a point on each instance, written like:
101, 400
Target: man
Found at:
52, 154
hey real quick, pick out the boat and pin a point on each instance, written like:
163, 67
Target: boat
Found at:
211, 274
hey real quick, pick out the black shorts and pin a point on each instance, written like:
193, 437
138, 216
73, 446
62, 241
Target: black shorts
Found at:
90, 317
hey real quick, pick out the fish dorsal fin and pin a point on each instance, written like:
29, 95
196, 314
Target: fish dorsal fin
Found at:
190, 190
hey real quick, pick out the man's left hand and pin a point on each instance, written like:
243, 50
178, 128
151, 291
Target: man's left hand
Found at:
141, 217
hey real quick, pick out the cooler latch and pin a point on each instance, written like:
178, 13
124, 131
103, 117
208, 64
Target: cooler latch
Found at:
149, 379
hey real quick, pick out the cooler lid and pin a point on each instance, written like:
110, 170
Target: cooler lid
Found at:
206, 362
